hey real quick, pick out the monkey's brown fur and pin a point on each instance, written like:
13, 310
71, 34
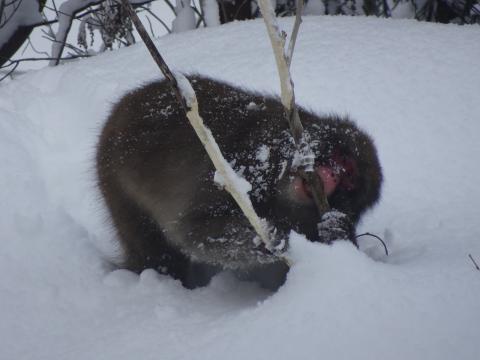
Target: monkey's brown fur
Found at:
157, 180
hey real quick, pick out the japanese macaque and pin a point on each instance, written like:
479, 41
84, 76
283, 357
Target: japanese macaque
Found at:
169, 214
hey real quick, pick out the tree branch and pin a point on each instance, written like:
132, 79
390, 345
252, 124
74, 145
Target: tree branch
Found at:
18, 61
301, 139
14, 63
474, 262
296, 26
187, 99
155, 54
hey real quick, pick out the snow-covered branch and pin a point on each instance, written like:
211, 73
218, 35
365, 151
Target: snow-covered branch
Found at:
185, 19
283, 61
66, 14
296, 27
185, 94
236, 186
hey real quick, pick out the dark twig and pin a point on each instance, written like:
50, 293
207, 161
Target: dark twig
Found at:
200, 17
150, 25
11, 62
169, 4
376, 237
157, 18
155, 54
44, 53
15, 65
474, 262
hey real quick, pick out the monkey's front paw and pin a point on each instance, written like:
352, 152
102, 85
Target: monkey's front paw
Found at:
335, 225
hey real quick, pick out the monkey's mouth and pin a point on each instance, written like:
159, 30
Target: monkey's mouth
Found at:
330, 179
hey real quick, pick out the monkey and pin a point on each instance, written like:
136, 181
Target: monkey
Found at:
157, 181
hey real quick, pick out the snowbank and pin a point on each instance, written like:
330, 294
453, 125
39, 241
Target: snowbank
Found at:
413, 86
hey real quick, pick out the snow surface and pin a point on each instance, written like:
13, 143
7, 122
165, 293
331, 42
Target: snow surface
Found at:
414, 86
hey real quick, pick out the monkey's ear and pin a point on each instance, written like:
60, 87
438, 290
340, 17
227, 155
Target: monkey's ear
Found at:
335, 225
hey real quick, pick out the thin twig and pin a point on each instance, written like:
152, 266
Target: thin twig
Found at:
55, 6
15, 63
223, 10
18, 61
150, 25
200, 16
376, 237
157, 18
10, 71
170, 5
474, 262
296, 26
44, 53
155, 54
202, 13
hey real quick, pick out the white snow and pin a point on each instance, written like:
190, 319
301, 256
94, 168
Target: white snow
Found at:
185, 19
211, 13
263, 153
413, 86
185, 88
314, 7
239, 182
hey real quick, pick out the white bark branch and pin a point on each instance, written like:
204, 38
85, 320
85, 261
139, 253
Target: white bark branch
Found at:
277, 39
296, 27
66, 13
188, 100
230, 178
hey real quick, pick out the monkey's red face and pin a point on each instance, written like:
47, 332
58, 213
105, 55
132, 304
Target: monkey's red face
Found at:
340, 172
